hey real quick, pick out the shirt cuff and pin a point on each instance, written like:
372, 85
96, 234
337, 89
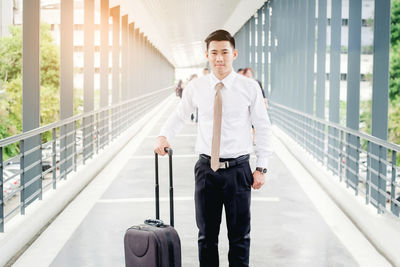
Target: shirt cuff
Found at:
262, 162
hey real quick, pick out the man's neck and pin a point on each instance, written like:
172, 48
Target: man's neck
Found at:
221, 76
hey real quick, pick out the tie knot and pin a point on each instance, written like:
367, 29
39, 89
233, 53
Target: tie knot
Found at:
219, 86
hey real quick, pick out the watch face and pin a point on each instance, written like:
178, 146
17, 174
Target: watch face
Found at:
262, 170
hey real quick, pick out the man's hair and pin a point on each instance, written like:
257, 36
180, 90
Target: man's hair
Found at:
246, 70
220, 35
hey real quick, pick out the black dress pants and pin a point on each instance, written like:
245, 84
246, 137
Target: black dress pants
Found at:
232, 188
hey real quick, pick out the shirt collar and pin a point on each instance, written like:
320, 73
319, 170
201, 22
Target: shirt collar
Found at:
227, 81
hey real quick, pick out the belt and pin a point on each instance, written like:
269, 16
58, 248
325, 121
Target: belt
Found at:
225, 163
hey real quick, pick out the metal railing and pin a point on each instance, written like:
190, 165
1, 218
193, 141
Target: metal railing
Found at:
365, 163
73, 141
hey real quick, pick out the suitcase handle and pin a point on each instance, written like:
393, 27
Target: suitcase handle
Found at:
171, 187
156, 223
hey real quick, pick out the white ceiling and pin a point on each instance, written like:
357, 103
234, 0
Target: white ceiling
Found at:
178, 27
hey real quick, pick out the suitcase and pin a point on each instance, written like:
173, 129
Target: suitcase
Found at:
154, 244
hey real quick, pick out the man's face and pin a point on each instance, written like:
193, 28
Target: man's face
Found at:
220, 55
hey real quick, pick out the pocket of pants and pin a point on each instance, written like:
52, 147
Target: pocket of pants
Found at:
244, 179
199, 174
249, 174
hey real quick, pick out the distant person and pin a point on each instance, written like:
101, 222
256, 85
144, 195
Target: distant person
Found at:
193, 76
206, 71
179, 89
240, 71
248, 72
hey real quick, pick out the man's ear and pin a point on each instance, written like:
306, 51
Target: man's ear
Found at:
207, 54
235, 53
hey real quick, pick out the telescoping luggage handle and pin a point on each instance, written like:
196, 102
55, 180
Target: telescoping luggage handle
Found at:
171, 188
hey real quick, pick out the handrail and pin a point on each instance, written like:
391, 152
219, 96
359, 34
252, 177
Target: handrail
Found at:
368, 137
15, 138
341, 151
69, 148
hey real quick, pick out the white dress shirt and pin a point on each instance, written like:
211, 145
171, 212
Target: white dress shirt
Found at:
242, 106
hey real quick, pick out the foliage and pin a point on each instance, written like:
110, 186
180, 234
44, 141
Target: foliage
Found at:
49, 59
12, 106
11, 83
11, 57
367, 49
12, 103
394, 121
365, 116
395, 22
370, 22
9, 123
49, 108
10, 115
394, 85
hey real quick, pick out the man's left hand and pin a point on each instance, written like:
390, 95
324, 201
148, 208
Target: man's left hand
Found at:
259, 180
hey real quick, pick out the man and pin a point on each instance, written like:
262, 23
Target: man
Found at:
222, 173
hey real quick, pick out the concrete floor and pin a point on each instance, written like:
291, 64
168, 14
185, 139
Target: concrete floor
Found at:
287, 229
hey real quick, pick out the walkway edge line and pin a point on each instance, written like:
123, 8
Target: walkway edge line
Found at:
22, 230
381, 230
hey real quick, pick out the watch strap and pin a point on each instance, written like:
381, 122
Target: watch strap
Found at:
262, 170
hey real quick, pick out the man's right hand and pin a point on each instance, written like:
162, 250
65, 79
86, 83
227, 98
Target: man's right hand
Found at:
161, 144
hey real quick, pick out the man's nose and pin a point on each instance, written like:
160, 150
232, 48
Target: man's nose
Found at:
219, 57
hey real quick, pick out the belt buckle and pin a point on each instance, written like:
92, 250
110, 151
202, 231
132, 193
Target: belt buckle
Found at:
224, 165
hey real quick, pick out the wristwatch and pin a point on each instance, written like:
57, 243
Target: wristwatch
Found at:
262, 170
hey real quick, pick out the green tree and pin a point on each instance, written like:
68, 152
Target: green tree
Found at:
394, 85
11, 83
12, 102
10, 114
395, 22
11, 72
394, 122
11, 55
11, 110
49, 59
